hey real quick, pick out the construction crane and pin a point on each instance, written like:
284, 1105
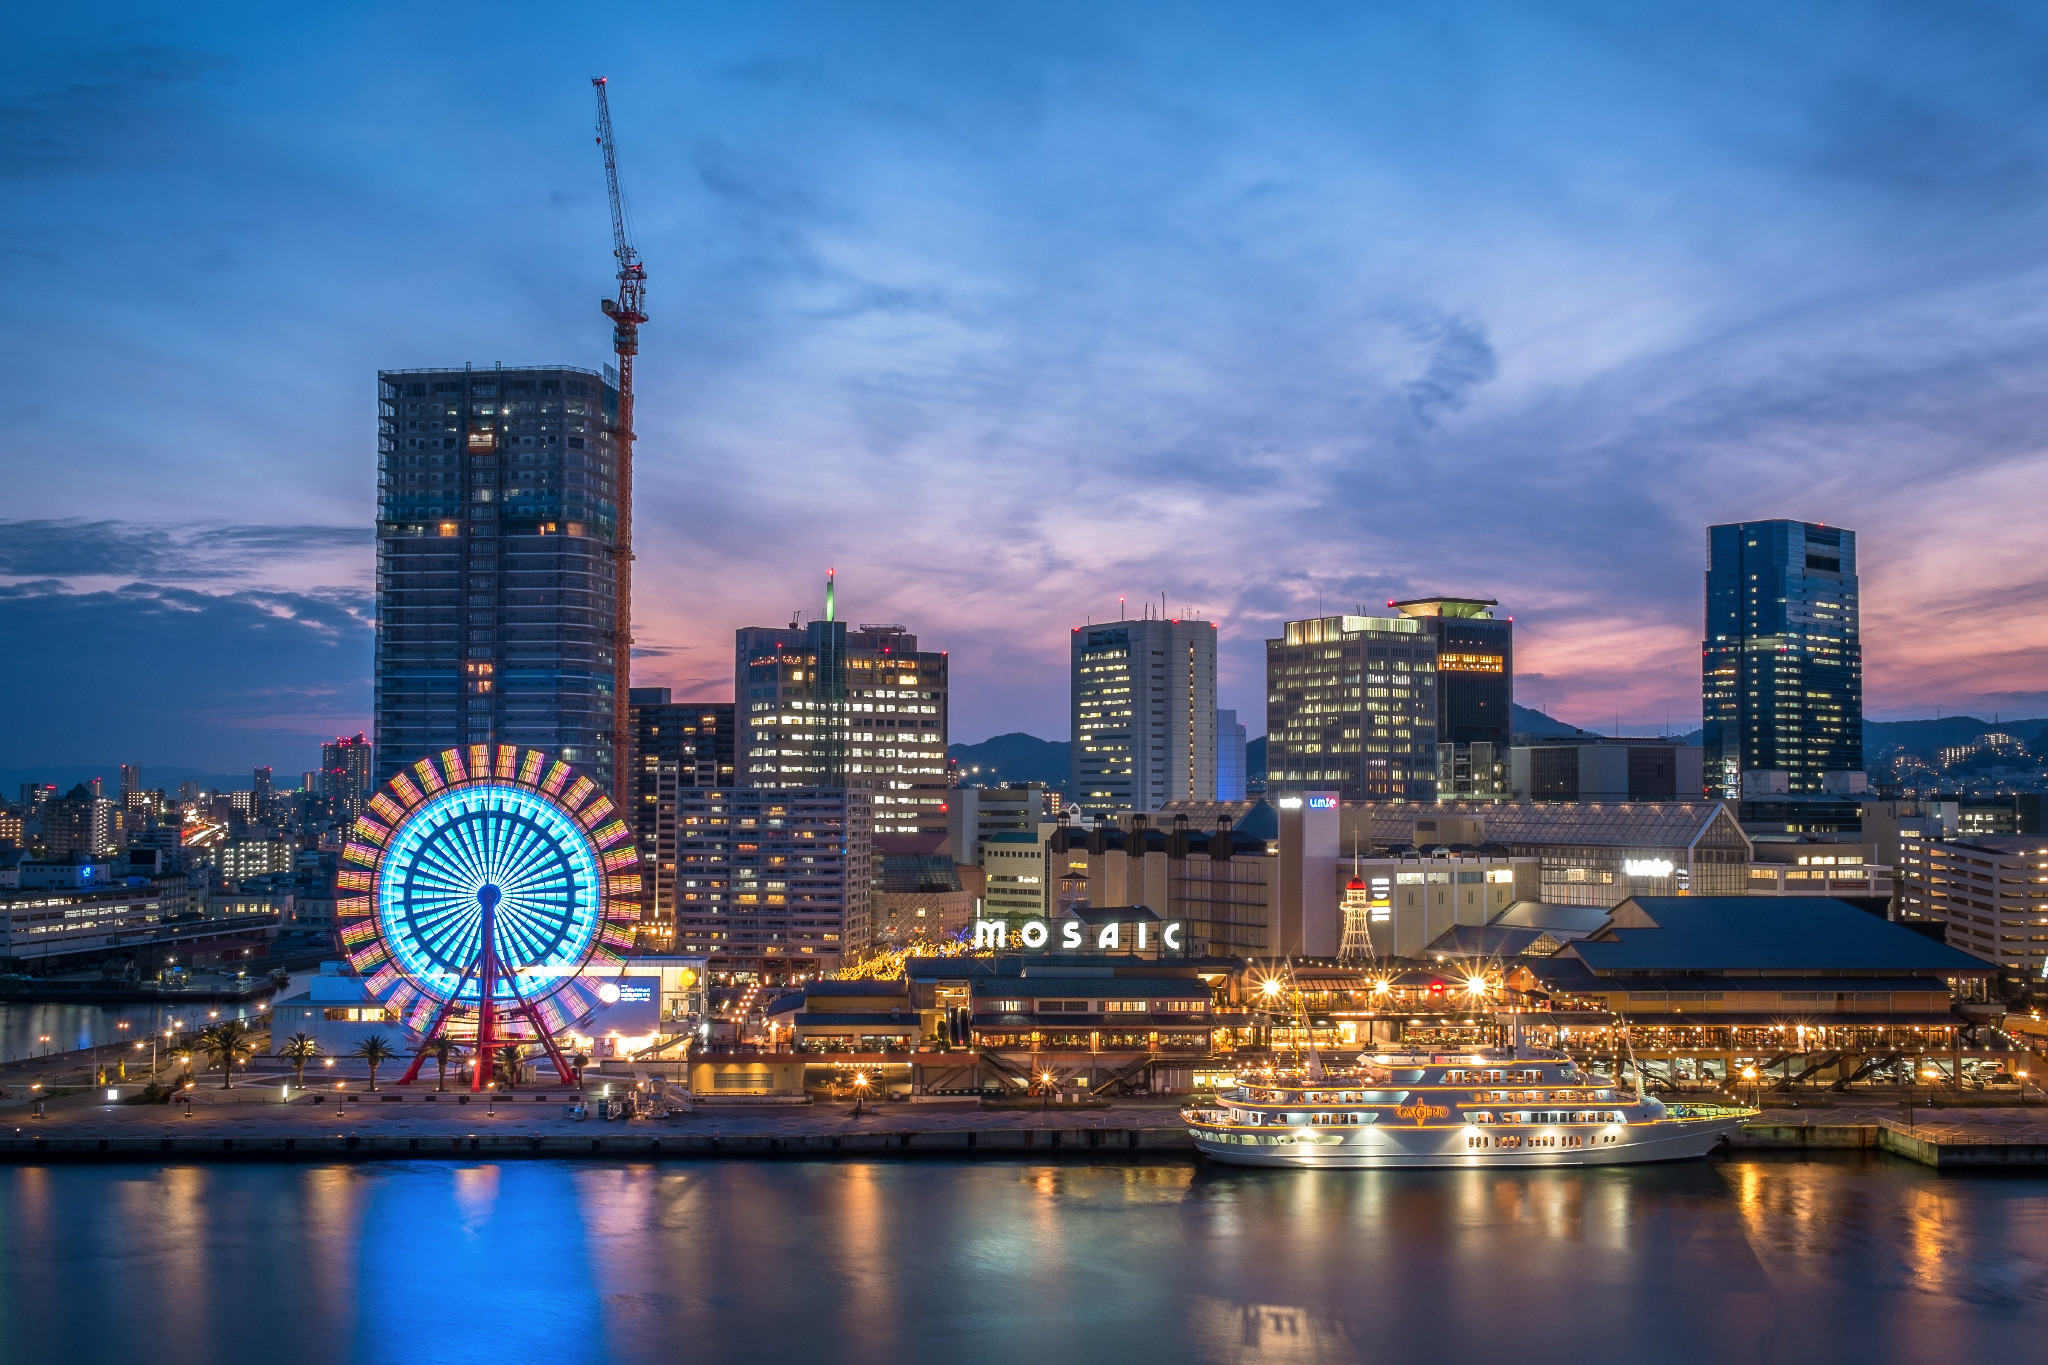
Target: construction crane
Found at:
627, 312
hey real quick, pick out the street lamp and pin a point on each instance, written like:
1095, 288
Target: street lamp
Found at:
1045, 1080
1749, 1074
860, 1092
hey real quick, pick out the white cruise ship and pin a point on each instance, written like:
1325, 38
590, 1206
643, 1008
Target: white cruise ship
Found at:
1505, 1107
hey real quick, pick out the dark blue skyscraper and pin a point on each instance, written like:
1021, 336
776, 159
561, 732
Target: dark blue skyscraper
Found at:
498, 609
1782, 662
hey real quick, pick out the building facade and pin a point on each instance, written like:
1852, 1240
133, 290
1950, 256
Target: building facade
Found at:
773, 884
1230, 769
677, 746
973, 814
823, 706
1600, 768
1782, 662
917, 898
498, 605
1017, 865
1143, 714
347, 776
1590, 854
1475, 668
1351, 706
1991, 890
82, 822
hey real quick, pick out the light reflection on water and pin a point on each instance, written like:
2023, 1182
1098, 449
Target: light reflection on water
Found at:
1811, 1260
69, 1027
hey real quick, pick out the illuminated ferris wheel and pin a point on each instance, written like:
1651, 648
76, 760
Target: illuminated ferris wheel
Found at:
489, 892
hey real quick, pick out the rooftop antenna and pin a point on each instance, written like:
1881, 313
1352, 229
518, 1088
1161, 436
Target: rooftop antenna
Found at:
831, 607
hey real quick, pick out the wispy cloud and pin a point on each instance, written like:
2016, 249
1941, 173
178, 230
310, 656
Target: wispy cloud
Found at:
70, 549
1006, 317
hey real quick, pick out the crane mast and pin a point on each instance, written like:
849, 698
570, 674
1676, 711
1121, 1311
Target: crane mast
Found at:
627, 312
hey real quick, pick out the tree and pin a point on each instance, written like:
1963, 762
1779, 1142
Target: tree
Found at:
299, 1050
506, 1064
376, 1050
227, 1043
442, 1049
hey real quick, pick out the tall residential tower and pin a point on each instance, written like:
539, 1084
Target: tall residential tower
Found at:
498, 601
1143, 714
1782, 662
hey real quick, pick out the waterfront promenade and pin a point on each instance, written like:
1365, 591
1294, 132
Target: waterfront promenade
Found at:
253, 1121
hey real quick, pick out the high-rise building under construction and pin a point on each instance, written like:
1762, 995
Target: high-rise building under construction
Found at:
499, 611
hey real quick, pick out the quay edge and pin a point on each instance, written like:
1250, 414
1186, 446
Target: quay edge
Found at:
1065, 1143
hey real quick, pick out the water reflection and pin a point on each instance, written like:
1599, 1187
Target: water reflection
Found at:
69, 1027
994, 1262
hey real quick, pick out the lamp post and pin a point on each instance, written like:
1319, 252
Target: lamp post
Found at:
860, 1092
1749, 1074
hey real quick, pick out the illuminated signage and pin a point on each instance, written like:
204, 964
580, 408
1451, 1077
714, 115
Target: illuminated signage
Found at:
1074, 936
1646, 867
1421, 1112
1290, 803
1322, 803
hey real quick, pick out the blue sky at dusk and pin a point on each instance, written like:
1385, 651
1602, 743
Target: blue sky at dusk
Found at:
1007, 310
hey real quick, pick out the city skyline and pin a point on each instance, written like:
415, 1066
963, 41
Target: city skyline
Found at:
1253, 323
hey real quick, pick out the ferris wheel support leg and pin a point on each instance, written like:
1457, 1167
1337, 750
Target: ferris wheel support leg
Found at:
547, 1040
487, 990
419, 1059
486, 1044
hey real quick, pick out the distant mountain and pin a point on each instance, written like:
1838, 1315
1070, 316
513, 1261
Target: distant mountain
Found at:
1020, 757
1923, 737
1015, 757
1532, 722
1529, 721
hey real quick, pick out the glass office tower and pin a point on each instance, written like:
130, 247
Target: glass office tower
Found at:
1143, 713
1782, 662
497, 583
1351, 707
823, 706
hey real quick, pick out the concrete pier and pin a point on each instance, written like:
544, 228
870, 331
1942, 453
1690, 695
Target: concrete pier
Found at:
1946, 1139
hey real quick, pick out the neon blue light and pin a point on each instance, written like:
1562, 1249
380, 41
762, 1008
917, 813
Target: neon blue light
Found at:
468, 845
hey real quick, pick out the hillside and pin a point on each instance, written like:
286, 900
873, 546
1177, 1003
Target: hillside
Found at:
1015, 757
1923, 737
1019, 757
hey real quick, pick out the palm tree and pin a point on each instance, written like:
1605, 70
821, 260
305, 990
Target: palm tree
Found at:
376, 1050
507, 1067
227, 1043
299, 1049
442, 1049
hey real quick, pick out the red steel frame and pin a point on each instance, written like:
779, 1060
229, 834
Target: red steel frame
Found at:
487, 1021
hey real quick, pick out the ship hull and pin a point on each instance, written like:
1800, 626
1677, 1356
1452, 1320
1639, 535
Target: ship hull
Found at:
1395, 1148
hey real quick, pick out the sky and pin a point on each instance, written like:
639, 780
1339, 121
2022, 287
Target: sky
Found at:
1007, 311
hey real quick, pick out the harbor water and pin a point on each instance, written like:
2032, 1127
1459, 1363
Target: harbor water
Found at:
69, 1027
1860, 1259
